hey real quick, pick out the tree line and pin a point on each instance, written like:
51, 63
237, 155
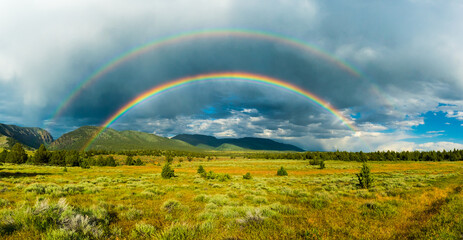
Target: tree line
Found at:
42, 156
453, 155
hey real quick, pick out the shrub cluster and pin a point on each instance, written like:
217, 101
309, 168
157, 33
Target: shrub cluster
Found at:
282, 172
211, 175
167, 171
247, 176
130, 162
58, 221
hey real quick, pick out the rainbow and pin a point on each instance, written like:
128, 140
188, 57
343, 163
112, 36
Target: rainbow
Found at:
235, 76
243, 33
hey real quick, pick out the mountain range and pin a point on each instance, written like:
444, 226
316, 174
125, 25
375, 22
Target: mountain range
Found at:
247, 143
31, 137
112, 139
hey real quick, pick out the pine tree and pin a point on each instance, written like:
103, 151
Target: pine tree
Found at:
42, 156
201, 169
364, 177
247, 176
129, 161
100, 161
3, 156
139, 162
167, 171
110, 161
169, 158
282, 172
322, 164
17, 154
72, 160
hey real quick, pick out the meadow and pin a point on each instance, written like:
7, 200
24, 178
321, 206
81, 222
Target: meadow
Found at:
408, 200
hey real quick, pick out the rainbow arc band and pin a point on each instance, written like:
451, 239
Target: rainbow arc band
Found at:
209, 33
221, 76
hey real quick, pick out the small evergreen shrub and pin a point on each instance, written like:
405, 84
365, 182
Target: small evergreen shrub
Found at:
169, 158
282, 172
167, 171
364, 177
247, 176
139, 162
322, 164
85, 164
129, 161
212, 175
201, 169
314, 162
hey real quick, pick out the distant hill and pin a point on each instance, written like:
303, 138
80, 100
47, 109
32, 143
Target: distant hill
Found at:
235, 144
29, 136
111, 139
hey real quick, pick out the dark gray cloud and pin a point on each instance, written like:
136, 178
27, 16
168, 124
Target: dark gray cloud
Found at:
407, 52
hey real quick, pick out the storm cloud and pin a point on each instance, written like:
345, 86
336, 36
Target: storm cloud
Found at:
408, 54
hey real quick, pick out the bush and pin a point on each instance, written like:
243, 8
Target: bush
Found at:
139, 162
322, 164
364, 177
180, 232
201, 198
171, 205
143, 231
169, 158
201, 169
129, 161
278, 207
17, 154
247, 176
72, 223
85, 164
3, 156
320, 200
42, 156
133, 214
212, 175
314, 162
254, 217
259, 200
282, 172
379, 210
167, 171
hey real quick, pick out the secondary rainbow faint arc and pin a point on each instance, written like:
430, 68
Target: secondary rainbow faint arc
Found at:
132, 53
242, 76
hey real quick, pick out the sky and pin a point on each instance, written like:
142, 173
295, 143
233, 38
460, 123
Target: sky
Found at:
408, 54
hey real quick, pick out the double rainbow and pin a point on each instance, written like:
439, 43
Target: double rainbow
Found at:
222, 76
211, 33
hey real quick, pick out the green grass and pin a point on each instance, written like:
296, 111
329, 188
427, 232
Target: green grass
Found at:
419, 200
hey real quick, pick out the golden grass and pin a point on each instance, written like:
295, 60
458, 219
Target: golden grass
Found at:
314, 203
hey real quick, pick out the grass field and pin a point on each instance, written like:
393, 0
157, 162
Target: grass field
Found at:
409, 200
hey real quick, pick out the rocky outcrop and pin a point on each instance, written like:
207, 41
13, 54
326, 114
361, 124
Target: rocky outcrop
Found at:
32, 137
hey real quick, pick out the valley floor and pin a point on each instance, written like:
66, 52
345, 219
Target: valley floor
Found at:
409, 200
